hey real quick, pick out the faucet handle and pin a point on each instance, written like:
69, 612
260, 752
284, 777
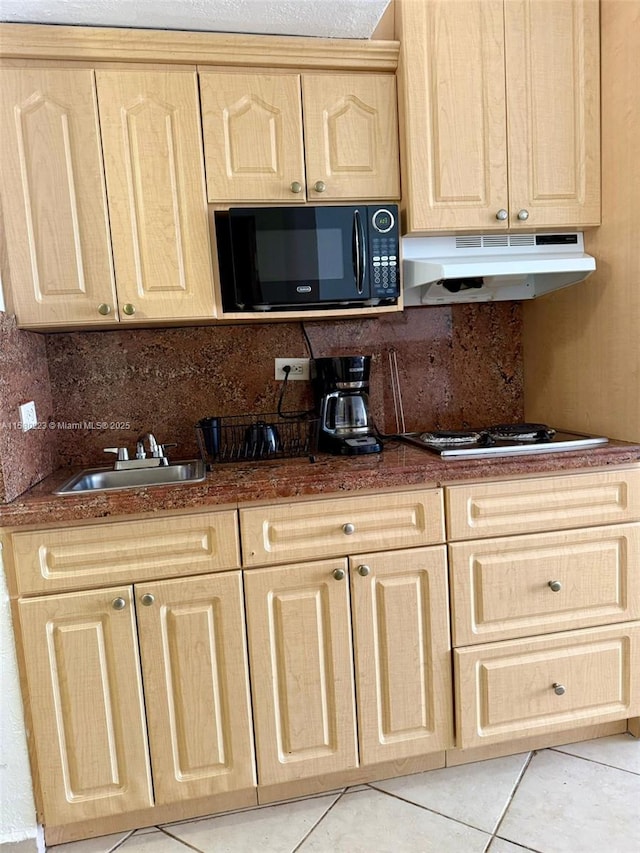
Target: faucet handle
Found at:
162, 452
122, 454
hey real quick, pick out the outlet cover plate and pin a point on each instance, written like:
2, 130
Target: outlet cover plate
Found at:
299, 369
28, 416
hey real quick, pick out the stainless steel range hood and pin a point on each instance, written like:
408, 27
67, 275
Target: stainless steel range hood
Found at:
491, 267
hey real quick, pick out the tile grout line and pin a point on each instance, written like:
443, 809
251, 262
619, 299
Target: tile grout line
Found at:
180, 840
514, 790
319, 821
427, 809
594, 761
119, 843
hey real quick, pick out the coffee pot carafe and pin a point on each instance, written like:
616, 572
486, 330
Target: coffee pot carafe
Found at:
341, 386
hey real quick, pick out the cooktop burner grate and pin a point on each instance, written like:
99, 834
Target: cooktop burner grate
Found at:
522, 432
501, 440
453, 438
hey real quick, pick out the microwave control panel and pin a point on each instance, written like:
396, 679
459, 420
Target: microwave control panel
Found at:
384, 247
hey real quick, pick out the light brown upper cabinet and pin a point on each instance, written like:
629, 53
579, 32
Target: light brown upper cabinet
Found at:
67, 230
151, 135
54, 206
501, 107
297, 138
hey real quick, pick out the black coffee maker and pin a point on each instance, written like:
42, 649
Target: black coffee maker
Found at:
341, 387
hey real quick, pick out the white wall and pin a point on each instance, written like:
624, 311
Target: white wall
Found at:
17, 809
330, 18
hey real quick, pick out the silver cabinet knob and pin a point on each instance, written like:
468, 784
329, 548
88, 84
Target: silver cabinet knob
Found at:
523, 215
364, 571
147, 599
338, 574
296, 187
348, 529
104, 309
559, 689
319, 186
129, 309
118, 604
556, 586
502, 214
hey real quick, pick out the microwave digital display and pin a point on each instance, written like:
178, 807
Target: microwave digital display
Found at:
311, 256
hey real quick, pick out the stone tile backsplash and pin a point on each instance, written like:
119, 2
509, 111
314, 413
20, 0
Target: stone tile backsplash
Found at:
25, 457
458, 366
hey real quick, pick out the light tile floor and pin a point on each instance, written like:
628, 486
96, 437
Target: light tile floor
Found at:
578, 798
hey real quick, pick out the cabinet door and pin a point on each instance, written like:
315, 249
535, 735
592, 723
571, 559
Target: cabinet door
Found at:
85, 696
553, 109
196, 684
452, 76
252, 127
351, 136
402, 653
301, 670
53, 198
150, 123
546, 684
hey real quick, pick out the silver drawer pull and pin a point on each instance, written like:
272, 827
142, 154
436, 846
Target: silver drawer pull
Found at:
338, 574
348, 528
559, 689
556, 586
148, 599
364, 570
118, 604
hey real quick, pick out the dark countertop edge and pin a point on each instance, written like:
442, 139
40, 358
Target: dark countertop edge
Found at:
234, 484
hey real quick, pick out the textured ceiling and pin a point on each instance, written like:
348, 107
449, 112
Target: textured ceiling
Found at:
327, 18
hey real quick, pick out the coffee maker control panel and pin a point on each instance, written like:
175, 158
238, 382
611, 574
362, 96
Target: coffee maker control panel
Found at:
384, 243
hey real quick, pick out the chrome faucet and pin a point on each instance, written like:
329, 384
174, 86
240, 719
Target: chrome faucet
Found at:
149, 454
155, 449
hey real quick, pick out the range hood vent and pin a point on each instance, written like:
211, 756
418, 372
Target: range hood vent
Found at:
491, 267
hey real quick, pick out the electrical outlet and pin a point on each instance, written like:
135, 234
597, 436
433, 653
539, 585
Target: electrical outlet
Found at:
299, 368
28, 416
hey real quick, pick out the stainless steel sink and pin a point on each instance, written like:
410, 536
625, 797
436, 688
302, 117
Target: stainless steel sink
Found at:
106, 479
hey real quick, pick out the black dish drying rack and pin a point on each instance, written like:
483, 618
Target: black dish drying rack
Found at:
251, 438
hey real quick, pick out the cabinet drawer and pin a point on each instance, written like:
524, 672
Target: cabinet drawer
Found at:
545, 503
125, 551
507, 588
508, 690
286, 532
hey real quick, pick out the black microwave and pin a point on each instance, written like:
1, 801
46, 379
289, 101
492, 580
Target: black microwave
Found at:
312, 256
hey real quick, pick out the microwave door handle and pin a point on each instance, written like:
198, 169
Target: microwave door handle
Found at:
359, 258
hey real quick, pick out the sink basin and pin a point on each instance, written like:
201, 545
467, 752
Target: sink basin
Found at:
106, 479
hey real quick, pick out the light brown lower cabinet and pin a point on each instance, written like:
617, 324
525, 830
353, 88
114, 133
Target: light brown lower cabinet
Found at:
87, 708
88, 695
547, 684
306, 640
560, 603
196, 686
145, 696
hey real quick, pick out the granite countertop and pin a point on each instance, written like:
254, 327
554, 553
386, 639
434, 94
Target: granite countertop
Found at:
236, 483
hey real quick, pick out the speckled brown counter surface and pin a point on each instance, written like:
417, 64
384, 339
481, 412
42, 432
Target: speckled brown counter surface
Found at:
235, 483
